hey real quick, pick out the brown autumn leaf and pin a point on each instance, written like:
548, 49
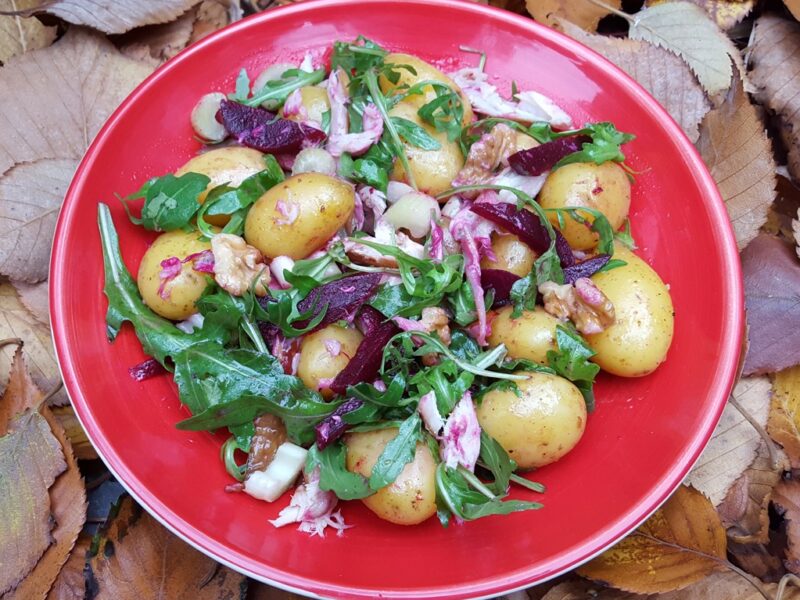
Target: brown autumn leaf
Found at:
213, 15
725, 13
81, 446
734, 443
784, 417
158, 43
20, 34
785, 209
148, 558
681, 543
17, 322
70, 583
30, 461
786, 499
117, 16
771, 273
774, 59
92, 78
738, 154
760, 560
20, 394
35, 298
661, 73
583, 13
261, 591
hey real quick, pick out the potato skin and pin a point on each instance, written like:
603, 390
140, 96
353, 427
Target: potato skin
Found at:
231, 165
541, 425
512, 255
315, 101
433, 170
186, 288
411, 498
317, 363
322, 205
529, 336
639, 339
425, 72
605, 187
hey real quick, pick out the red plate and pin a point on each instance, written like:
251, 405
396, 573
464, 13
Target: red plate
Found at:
640, 442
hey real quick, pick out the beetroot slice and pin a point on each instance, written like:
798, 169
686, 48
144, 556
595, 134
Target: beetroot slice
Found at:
535, 161
260, 129
343, 298
369, 319
500, 281
332, 427
366, 361
522, 223
587, 268
564, 250
147, 369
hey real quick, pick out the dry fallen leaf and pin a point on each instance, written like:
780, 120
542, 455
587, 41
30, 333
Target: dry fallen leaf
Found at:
734, 444
17, 322
30, 461
137, 553
20, 34
786, 498
686, 30
81, 446
20, 393
785, 208
771, 273
725, 13
784, 417
661, 73
738, 153
159, 42
213, 15
260, 591
775, 62
117, 16
583, 13
681, 543
91, 78
70, 583
35, 298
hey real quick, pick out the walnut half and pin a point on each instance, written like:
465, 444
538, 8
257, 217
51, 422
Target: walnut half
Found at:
584, 304
237, 265
486, 155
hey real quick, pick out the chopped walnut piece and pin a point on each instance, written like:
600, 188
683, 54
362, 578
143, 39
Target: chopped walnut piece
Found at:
486, 155
364, 255
584, 304
237, 265
435, 319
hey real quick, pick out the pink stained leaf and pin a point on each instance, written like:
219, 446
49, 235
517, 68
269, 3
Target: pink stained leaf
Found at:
170, 269
430, 414
340, 140
313, 508
460, 442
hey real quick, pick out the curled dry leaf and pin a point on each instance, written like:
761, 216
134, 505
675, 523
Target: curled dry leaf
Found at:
213, 15
772, 294
117, 16
725, 13
92, 78
738, 153
70, 583
30, 461
734, 444
775, 62
35, 298
784, 211
158, 43
661, 73
17, 322
584, 14
786, 498
136, 552
20, 393
686, 30
681, 543
19, 34
784, 416
83, 449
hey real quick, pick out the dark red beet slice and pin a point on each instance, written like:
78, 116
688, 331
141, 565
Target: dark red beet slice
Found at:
366, 362
332, 427
587, 268
343, 298
260, 129
535, 161
522, 223
147, 369
369, 319
500, 281
564, 250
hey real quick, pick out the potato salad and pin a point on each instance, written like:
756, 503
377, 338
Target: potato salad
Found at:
390, 284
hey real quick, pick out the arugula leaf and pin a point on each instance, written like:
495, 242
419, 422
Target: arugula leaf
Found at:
571, 361
463, 346
604, 147
599, 224
445, 112
496, 459
614, 263
392, 397
279, 89
169, 202
415, 134
624, 236
242, 87
395, 301
333, 474
365, 171
358, 56
523, 294
446, 381
462, 302
397, 453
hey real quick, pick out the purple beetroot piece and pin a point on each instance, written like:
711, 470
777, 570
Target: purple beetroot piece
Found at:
147, 369
343, 298
500, 281
260, 129
537, 160
366, 361
587, 268
332, 427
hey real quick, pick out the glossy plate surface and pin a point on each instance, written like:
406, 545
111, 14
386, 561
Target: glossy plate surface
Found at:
641, 440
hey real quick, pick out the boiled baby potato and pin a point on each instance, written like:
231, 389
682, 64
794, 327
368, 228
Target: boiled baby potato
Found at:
523, 141
540, 425
639, 339
425, 72
528, 336
411, 498
512, 255
230, 165
324, 353
433, 170
299, 216
605, 187
182, 291
315, 101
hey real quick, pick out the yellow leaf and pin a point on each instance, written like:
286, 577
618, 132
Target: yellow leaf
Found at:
784, 417
681, 543
583, 13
